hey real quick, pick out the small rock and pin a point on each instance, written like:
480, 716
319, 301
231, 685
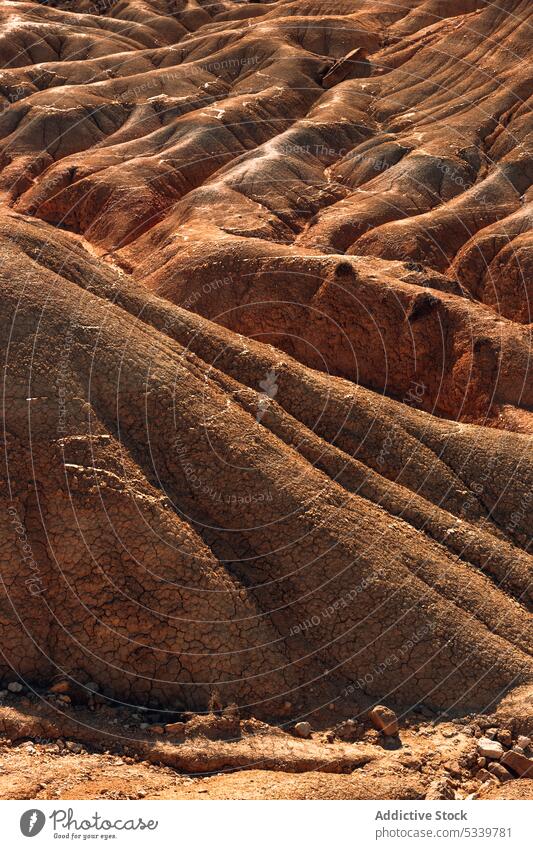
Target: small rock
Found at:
175, 727
156, 729
505, 737
384, 719
523, 742
144, 726
500, 772
72, 746
491, 733
65, 699
60, 687
481, 762
518, 763
3, 694
488, 748
15, 687
303, 729
483, 775
518, 749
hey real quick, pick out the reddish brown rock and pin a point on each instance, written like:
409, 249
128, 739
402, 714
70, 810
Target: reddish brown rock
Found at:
384, 719
500, 772
518, 763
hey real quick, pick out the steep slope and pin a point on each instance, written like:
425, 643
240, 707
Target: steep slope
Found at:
184, 535
228, 146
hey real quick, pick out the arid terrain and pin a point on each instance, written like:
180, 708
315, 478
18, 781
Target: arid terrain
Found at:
265, 275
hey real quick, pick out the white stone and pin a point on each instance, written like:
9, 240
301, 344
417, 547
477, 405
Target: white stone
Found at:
488, 748
303, 729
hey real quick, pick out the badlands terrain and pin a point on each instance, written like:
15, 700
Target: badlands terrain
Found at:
266, 277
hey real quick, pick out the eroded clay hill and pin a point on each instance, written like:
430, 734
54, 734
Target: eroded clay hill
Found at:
264, 280
227, 153
175, 533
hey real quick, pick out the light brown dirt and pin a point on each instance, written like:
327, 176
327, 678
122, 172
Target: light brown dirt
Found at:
259, 761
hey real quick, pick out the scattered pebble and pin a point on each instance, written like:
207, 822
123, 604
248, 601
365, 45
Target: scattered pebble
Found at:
303, 729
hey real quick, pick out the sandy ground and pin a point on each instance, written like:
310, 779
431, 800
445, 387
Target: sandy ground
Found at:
80, 755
